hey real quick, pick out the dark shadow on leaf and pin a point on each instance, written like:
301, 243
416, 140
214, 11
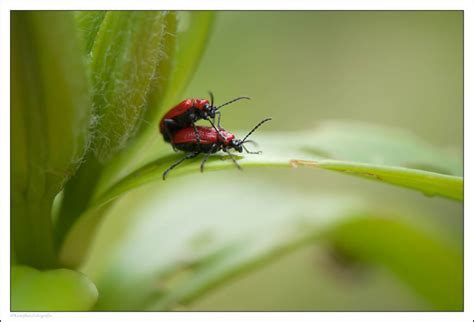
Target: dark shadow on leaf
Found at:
319, 153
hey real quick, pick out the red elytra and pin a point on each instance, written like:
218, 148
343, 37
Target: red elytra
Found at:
183, 108
181, 112
208, 140
207, 135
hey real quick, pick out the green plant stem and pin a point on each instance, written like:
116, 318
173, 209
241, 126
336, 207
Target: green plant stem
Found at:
32, 233
77, 195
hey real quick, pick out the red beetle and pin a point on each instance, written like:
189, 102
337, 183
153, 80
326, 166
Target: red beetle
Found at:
188, 112
209, 140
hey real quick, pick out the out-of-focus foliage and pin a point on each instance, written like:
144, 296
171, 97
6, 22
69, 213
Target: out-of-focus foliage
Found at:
52, 290
438, 273
204, 245
50, 120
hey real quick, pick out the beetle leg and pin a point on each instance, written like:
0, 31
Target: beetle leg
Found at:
168, 132
207, 157
186, 157
251, 141
218, 119
234, 160
217, 129
250, 152
198, 138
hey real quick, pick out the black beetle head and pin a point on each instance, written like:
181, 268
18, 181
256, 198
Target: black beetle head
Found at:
237, 145
209, 111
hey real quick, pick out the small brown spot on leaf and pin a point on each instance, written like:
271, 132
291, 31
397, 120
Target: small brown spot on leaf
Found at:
305, 163
365, 174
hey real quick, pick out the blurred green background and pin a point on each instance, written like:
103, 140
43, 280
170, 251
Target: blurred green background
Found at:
400, 69
394, 68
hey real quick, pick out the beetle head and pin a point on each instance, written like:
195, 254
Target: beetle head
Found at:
237, 145
209, 111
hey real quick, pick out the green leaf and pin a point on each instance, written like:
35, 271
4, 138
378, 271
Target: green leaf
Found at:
158, 89
89, 23
50, 120
176, 251
433, 269
125, 55
126, 60
431, 184
53, 290
393, 154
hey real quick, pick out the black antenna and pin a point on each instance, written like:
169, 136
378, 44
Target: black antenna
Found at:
256, 127
212, 98
232, 101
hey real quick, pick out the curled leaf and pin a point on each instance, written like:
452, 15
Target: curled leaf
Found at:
126, 59
125, 56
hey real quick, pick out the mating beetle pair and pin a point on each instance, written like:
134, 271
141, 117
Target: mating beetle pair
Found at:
188, 112
179, 129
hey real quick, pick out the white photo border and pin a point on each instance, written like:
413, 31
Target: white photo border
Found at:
6, 6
